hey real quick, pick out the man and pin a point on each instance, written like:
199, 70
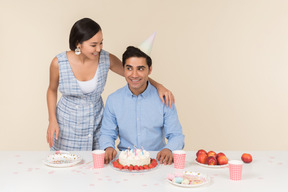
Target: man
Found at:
136, 114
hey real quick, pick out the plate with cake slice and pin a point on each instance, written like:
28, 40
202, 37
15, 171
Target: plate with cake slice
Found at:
62, 159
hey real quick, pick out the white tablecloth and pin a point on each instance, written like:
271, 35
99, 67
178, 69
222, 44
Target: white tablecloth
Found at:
25, 171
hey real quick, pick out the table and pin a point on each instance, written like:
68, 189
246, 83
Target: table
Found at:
25, 171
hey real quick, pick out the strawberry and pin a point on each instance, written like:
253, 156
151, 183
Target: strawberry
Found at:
150, 166
115, 164
145, 167
126, 167
141, 167
130, 167
120, 166
154, 162
136, 167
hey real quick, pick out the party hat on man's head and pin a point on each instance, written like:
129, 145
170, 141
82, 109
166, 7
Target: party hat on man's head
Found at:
146, 46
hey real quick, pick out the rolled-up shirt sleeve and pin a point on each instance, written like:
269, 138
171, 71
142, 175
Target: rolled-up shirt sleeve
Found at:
173, 129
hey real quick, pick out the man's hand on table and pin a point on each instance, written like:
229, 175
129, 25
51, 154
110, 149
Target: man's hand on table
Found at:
165, 156
110, 154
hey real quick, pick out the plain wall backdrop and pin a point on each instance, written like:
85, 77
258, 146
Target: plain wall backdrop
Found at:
224, 60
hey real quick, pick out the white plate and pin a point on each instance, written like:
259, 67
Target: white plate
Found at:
62, 159
195, 175
211, 166
132, 171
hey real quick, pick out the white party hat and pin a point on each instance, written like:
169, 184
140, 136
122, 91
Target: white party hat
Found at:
146, 46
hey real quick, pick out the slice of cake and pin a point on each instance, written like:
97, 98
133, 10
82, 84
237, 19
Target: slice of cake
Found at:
134, 157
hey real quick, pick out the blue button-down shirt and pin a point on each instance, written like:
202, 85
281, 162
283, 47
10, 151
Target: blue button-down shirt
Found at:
141, 121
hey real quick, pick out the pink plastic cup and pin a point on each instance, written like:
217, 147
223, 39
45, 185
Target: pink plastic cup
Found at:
235, 168
98, 158
179, 159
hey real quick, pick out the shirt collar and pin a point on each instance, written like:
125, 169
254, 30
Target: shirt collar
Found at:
144, 94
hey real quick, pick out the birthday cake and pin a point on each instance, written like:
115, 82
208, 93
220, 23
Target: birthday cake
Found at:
134, 157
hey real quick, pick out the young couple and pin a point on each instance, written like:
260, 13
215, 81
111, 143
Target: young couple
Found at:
136, 113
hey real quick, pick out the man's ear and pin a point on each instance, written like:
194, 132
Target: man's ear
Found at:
150, 70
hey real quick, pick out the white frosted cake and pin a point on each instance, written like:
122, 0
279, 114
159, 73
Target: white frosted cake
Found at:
134, 157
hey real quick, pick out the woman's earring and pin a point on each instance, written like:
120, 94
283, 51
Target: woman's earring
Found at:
77, 51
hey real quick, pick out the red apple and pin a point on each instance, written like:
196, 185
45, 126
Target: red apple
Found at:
246, 158
220, 154
202, 158
222, 160
211, 160
212, 153
201, 151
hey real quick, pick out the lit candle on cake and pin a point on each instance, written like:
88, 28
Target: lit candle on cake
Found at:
128, 151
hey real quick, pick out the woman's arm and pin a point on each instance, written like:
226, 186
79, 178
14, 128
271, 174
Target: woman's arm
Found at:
51, 102
117, 67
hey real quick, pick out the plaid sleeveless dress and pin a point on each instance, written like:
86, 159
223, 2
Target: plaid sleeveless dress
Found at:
79, 115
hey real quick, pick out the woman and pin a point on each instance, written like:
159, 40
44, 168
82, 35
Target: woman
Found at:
80, 75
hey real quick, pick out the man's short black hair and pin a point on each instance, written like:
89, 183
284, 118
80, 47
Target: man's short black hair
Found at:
135, 52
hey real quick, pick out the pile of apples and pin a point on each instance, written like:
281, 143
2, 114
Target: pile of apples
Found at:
211, 157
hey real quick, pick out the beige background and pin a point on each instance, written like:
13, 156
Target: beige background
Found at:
225, 61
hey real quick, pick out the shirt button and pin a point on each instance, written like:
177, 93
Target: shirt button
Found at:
91, 105
89, 135
77, 106
91, 121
